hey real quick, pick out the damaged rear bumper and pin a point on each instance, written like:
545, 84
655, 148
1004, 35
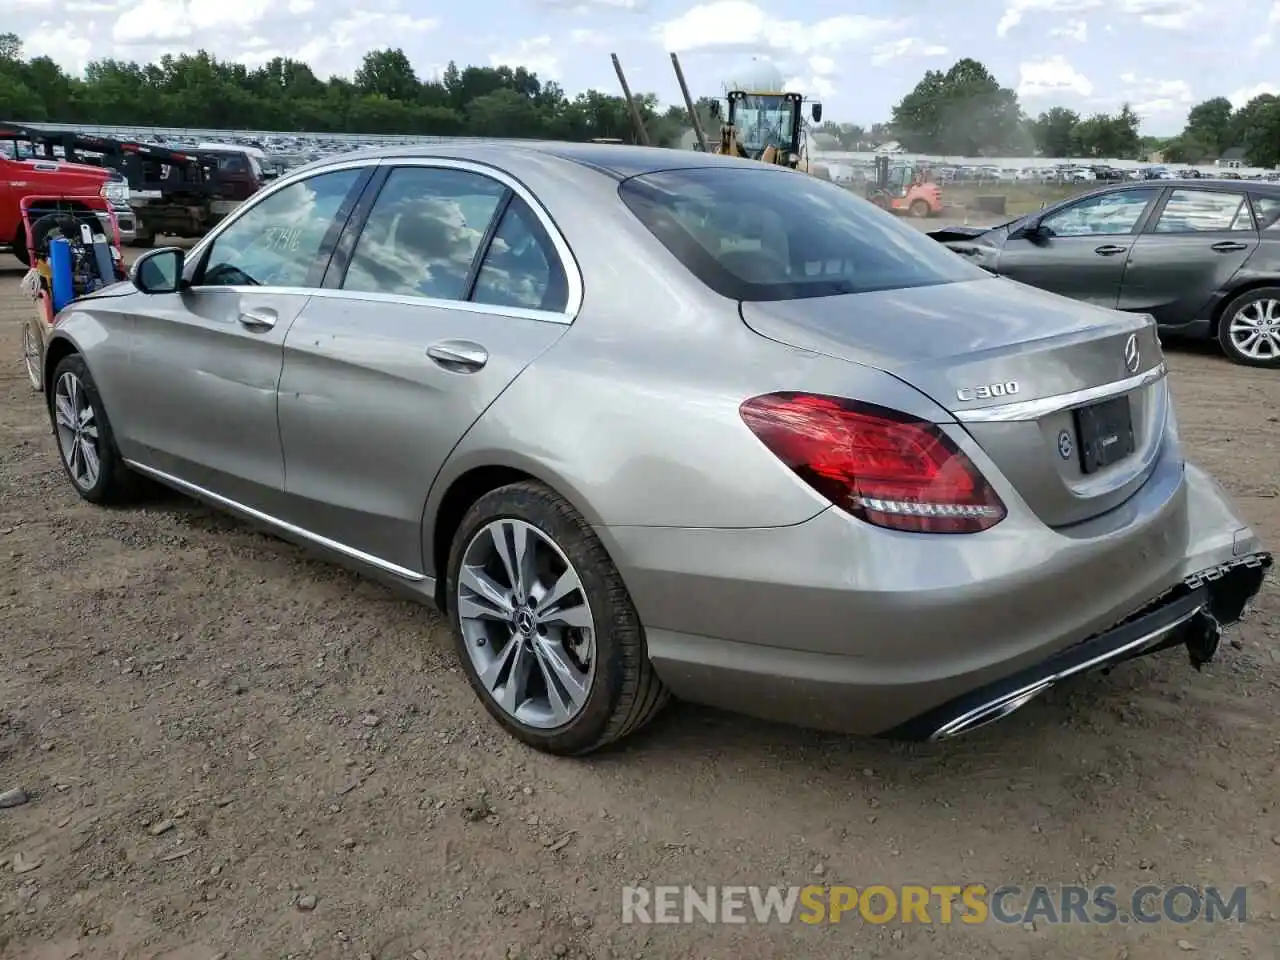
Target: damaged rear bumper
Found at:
1188, 615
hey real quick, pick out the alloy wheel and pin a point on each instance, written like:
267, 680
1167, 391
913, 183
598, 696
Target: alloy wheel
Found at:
31, 355
1255, 330
526, 623
77, 431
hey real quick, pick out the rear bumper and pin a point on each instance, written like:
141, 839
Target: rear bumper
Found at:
1190, 615
835, 625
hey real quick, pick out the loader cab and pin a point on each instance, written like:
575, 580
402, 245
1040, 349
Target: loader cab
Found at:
763, 120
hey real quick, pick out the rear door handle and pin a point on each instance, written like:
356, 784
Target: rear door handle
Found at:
1109, 250
263, 319
1226, 246
460, 356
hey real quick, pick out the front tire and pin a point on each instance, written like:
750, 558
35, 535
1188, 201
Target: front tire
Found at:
33, 352
1249, 331
86, 444
919, 209
545, 629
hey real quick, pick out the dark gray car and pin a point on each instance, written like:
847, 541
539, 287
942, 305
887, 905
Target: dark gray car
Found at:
1201, 256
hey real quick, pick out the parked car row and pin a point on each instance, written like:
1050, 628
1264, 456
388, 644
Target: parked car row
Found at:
797, 459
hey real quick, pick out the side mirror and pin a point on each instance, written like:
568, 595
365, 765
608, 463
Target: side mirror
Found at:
159, 271
1031, 230
816, 112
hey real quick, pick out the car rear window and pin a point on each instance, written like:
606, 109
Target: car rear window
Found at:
769, 234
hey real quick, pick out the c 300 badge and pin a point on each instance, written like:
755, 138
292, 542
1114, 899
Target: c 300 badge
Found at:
1065, 445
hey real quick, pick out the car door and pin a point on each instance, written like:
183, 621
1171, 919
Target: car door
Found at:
435, 301
205, 362
1196, 242
1081, 248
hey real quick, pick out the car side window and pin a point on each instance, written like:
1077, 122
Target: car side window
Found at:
1268, 211
1110, 213
1202, 211
423, 233
521, 267
277, 241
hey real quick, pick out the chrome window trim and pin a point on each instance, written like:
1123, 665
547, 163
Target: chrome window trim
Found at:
569, 263
1035, 409
266, 193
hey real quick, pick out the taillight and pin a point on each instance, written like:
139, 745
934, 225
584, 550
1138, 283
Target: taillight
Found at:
882, 466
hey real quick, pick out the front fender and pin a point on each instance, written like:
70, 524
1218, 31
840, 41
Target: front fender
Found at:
101, 338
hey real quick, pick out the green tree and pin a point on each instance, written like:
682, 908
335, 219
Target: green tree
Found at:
964, 111
387, 73
1210, 125
1055, 132
1110, 136
1258, 126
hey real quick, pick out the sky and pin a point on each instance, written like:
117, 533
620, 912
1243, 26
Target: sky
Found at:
858, 57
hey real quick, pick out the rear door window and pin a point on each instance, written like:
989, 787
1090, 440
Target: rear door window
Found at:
423, 233
521, 267
768, 234
1204, 211
1268, 211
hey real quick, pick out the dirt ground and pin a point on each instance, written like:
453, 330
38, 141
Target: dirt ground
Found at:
234, 750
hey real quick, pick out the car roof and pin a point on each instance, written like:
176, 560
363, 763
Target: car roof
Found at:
619, 161
1194, 183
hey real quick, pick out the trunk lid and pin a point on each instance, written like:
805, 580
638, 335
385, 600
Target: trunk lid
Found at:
1012, 364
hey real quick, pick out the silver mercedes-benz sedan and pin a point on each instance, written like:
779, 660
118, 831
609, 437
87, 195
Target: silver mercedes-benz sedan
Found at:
647, 422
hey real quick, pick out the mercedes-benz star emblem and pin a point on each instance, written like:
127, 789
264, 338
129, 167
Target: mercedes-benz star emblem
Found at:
524, 622
1065, 446
1132, 359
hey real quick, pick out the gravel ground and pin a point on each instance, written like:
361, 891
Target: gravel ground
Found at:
232, 749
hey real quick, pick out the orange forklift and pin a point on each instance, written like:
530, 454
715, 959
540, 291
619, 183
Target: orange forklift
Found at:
904, 188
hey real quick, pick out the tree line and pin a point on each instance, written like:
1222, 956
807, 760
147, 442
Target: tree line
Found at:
963, 111
384, 96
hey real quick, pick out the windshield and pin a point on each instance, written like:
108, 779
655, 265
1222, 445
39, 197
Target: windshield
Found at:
763, 121
768, 234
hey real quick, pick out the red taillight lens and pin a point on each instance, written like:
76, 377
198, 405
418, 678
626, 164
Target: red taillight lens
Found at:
880, 465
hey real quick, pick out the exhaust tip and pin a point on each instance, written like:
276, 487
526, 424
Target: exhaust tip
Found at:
989, 712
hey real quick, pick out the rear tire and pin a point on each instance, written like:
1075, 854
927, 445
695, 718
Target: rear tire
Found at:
86, 443
919, 209
569, 616
1249, 328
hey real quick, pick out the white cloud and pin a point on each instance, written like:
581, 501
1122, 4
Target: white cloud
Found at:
737, 24
906, 48
301, 6
1015, 10
61, 43
1166, 14
1050, 77
592, 37
536, 55
1242, 96
1150, 97
585, 6
160, 20
1077, 30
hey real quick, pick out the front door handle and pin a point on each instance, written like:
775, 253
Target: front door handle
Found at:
1109, 250
459, 356
263, 319
1226, 246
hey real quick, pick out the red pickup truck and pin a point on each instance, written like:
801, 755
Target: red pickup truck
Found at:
55, 182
